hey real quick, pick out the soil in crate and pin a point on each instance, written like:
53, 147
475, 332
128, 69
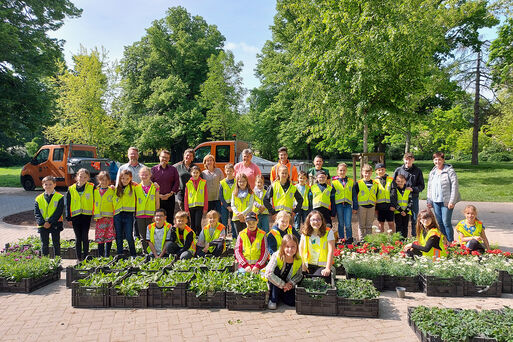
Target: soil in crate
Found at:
250, 301
358, 307
443, 287
494, 290
216, 300
167, 297
27, 285
89, 297
411, 284
120, 301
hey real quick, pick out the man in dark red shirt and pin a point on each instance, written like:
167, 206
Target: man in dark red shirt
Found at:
166, 176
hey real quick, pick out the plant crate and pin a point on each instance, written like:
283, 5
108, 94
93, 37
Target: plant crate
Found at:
411, 284
89, 297
216, 300
443, 287
250, 301
316, 303
340, 270
27, 285
229, 268
423, 337
358, 307
507, 282
378, 282
120, 301
167, 297
68, 253
73, 274
494, 290
483, 339
228, 252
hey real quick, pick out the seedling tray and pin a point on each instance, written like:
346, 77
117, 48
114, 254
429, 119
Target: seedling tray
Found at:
250, 301
27, 285
494, 290
120, 301
89, 297
358, 307
411, 284
216, 300
316, 303
443, 287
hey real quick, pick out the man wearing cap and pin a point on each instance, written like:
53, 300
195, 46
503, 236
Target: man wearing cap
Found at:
414, 183
383, 198
251, 248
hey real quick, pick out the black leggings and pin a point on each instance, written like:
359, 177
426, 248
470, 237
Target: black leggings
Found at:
196, 216
475, 245
81, 225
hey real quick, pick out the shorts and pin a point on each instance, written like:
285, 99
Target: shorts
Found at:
385, 215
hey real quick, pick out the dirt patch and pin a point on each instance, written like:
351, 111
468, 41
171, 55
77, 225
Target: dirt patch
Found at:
26, 218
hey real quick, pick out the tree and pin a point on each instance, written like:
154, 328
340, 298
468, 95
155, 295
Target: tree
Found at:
221, 95
81, 117
27, 58
501, 57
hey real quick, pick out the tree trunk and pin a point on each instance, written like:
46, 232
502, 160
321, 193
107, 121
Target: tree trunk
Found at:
407, 143
475, 131
365, 138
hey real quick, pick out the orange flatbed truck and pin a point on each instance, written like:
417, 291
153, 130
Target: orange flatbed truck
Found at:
62, 162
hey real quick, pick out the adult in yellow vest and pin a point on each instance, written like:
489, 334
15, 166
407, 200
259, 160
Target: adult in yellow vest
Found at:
366, 190
401, 203
158, 235
344, 200
471, 231
183, 238
79, 210
283, 272
384, 182
48, 210
212, 237
103, 214
317, 246
282, 194
251, 251
283, 159
281, 228
430, 241
124, 209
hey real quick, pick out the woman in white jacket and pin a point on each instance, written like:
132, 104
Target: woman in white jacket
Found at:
443, 193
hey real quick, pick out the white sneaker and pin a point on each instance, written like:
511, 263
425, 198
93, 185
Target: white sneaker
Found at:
271, 305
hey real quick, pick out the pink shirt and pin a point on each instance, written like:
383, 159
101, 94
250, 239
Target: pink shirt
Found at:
251, 172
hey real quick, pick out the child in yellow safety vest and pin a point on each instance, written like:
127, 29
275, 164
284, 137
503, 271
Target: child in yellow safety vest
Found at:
226, 187
430, 241
323, 197
317, 246
124, 210
183, 238
283, 272
471, 231
383, 209
147, 201
212, 237
250, 250
242, 201
196, 198
48, 210
401, 202
282, 194
304, 190
258, 206
104, 214
158, 235
366, 190
281, 228
345, 200
79, 210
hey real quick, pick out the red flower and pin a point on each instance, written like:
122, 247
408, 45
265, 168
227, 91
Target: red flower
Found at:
337, 252
350, 246
475, 253
507, 254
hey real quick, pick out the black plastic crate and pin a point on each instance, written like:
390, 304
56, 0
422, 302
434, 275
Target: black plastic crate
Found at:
507, 282
494, 290
167, 297
443, 287
358, 307
411, 284
316, 303
216, 300
423, 337
250, 301
378, 282
27, 285
120, 301
89, 297
340, 270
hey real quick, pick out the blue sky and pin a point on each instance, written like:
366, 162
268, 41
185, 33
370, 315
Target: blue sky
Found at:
114, 24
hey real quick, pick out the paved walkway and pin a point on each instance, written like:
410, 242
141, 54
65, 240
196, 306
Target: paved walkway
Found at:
47, 314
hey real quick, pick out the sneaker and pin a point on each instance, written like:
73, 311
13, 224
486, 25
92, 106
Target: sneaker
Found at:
271, 305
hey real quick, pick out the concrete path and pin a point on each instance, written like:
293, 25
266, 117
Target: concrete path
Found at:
47, 314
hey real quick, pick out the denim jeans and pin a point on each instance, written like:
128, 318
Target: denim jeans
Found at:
225, 214
263, 222
443, 217
344, 216
414, 212
300, 218
123, 223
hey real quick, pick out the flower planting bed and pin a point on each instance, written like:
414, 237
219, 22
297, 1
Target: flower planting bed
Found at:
443, 287
85, 268
27, 285
205, 264
250, 301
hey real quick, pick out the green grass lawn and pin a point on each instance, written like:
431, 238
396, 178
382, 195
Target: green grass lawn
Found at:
487, 182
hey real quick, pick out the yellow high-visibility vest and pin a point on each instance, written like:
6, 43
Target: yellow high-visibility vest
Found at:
48, 209
196, 196
321, 198
186, 231
343, 193
81, 203
433, 253
306, 202
383, 195
241, 204
283, 200
252, 251
295, 266
460, 227
145, 202
103, 205
402, 201
151, 228
366, 196
323, 250
126, 202
227, 190
259, 200
217, 233
277, 235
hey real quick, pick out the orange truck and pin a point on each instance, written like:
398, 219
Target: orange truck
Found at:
62, 162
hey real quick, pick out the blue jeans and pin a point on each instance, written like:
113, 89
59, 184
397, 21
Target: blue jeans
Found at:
300, 219
414, 212
443, 217
225, 214
123, 223
344, 216
263, 222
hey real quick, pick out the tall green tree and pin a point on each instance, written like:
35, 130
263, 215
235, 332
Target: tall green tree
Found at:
28, 56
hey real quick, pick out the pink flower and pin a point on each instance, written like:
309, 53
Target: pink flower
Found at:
16, 259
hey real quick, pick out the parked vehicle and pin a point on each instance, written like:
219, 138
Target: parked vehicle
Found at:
62, 162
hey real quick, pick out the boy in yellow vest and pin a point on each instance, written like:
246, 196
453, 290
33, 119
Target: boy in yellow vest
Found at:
212, 237
183, 238
251, 248
384, 182
304, 190
366, 190
158, 235
323, 197
401, 202
345, 199
48, 214
225, 195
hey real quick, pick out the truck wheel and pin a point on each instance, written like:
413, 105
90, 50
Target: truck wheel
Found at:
28, 183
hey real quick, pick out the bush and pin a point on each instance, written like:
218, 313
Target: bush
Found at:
495, 152
13, 157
